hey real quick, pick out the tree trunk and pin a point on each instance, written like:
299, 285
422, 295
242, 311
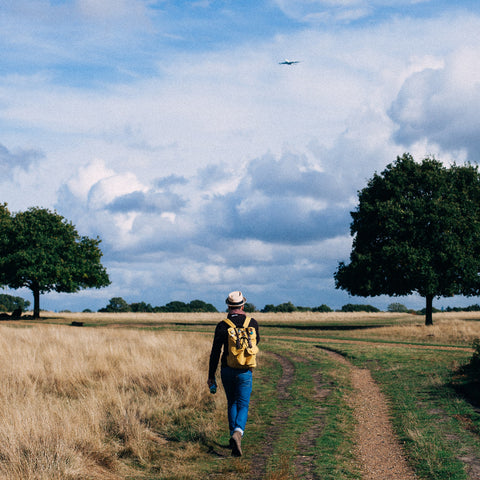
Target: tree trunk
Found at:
36, 301
428, 311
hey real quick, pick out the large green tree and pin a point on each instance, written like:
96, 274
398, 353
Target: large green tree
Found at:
416, 229
41, 250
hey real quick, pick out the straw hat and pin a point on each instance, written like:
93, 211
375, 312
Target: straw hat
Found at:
235, 299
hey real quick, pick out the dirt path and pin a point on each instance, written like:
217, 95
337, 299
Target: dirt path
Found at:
377, 449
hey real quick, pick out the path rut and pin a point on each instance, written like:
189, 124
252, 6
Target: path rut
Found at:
259, 460
305, 460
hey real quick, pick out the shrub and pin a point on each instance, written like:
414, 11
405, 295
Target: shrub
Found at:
322, 308
424, 310
350, 307
283, 307
397, 308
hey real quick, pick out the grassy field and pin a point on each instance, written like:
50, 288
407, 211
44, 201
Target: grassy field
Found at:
125, 396
97, 403
448, 329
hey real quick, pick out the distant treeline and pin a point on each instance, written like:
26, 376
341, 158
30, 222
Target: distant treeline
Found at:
9, 303
471, 308
118, 304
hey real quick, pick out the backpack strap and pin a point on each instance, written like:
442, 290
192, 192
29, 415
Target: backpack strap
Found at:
230, 323
246, 323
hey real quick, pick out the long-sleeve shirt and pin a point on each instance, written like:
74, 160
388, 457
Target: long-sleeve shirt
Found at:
220, 340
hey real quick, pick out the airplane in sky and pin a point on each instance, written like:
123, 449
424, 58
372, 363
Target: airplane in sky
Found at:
288, 62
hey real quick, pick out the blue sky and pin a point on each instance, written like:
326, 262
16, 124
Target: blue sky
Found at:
169, 129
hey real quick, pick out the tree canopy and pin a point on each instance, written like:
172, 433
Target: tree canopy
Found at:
42, 251
416, 229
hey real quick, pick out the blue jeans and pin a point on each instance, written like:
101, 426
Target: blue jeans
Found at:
238, 387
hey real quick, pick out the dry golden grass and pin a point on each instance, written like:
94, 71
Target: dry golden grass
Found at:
130, 318
446, 331
99, 403
458, 328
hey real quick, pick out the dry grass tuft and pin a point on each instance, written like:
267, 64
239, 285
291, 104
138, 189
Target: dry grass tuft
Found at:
87, 403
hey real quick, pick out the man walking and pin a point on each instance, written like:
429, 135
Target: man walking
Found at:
236, 380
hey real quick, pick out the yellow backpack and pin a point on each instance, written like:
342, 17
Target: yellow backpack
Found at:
242, 345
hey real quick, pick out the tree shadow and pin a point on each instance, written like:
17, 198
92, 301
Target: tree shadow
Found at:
466, 383
466, 379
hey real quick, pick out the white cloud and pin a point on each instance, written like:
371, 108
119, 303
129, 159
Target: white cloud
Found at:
321, 11
106, 190
440, 105
87, 176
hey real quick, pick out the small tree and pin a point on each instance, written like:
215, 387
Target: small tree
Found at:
322, 308
250, 308
9, 303
416, 229
397, 308
41, 250
116, 305
200, 306
286, 307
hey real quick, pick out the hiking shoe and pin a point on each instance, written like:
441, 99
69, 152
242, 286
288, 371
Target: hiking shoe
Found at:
236, 444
